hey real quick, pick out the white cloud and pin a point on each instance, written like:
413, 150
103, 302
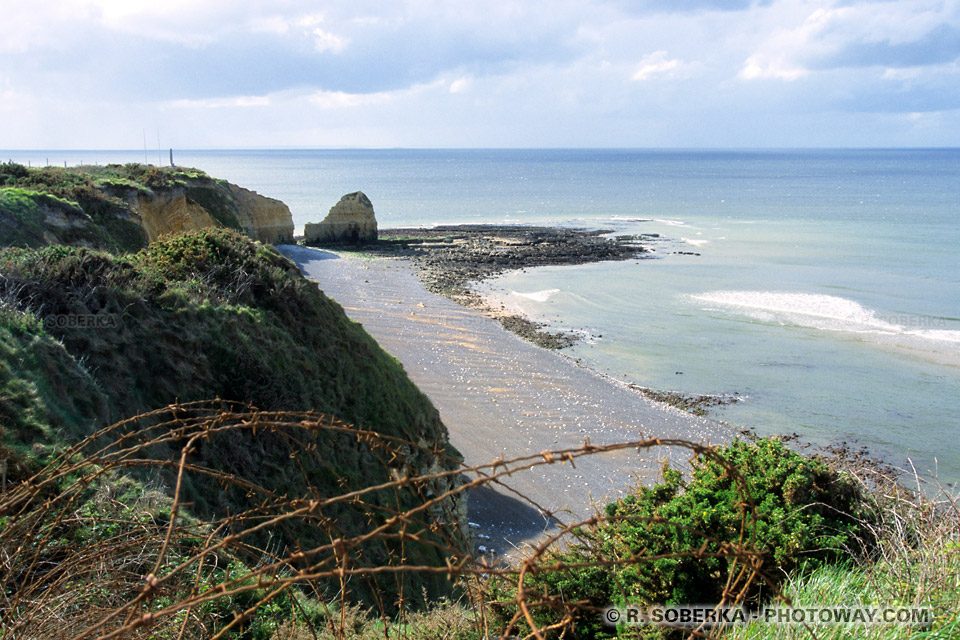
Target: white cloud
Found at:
325, 41
760, 67
461, 84
656, 63
882, 34
222, 103
344, 100
190, 22
472, 73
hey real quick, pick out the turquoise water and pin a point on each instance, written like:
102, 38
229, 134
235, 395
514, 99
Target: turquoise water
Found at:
826, 292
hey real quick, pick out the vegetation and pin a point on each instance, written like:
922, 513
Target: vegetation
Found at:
102, 542
209, 314
756, 522
254, 516
116, 555
90, 206
203, 315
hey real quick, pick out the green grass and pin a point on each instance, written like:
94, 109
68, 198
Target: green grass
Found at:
916, 564
45, 393
99, 197
95, 216
880, 584
22, 215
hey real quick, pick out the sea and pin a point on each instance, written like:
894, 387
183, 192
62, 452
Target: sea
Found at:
819, 288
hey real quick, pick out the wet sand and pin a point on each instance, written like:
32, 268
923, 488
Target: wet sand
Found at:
501, 396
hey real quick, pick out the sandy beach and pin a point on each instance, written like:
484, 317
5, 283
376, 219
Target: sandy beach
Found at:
502, 396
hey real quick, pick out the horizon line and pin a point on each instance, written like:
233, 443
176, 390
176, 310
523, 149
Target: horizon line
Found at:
545, 148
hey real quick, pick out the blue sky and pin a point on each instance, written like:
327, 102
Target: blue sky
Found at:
480, 73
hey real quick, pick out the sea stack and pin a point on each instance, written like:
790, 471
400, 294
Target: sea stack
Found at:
350, 221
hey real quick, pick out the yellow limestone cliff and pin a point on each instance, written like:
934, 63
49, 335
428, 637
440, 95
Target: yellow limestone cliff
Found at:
223, 205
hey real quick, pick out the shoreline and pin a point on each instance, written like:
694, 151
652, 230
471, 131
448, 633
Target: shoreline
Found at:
451, 260
501, 396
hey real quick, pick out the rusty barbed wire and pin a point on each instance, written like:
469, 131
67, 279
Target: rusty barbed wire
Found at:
79, 560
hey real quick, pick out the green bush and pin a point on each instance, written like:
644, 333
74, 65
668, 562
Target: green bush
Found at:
209, 314
10, 172
672, 543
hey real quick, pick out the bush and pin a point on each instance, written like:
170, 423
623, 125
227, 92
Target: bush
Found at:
10, 172
749, 505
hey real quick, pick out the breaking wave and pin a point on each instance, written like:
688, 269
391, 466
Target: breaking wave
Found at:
833, 313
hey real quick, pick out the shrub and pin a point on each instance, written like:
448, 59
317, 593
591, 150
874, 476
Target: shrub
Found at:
748, 505
10, 172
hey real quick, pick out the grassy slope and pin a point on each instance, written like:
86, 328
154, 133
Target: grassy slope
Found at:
197, 316
94, 199
213, 314
89, 337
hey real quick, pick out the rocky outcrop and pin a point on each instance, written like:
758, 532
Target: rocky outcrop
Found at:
350, 221
215, 204
124, 207
170, 212
264, 219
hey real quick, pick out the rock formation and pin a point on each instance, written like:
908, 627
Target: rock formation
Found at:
123, 208
165, 211
264, 219
170, 212
350, 221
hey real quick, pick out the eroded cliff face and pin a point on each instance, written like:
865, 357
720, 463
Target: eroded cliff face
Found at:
124, 207
214, 204
172, 212
264, 219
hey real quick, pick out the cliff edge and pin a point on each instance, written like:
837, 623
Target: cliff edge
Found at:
125, 207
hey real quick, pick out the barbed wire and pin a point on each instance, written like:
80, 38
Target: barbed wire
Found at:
78, 560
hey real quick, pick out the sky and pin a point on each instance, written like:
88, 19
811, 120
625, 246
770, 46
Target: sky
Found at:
198, 74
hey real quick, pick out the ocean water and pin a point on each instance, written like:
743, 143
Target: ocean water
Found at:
826, 292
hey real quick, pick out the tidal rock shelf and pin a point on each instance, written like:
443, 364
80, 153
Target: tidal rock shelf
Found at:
450, 259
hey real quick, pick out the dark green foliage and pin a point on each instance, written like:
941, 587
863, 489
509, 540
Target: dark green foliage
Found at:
213, 314
758, 496
41, 386
11, 172
209, 314
804, 512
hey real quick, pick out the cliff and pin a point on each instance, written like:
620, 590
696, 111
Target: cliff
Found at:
264, 219
122, 208
201, 202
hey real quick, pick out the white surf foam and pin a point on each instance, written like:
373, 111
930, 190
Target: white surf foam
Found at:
695, 242
671, 223
616, 218
833, 313
536, 296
